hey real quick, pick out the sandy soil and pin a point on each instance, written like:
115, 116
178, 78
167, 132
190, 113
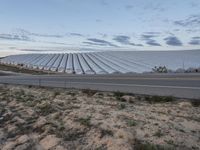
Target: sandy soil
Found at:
58, 119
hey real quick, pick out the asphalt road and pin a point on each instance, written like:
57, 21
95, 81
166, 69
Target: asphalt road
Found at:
178, 85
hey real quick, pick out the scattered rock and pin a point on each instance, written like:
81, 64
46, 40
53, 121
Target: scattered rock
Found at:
59, 102
11, 128
2, 135
40, 122
97, 95
30, 112
19, 120
43, 104
49, 142
55, 115
185, 105
7, 115
22, 139
9, 145
129, 99
59, 147
25, 146
13, 103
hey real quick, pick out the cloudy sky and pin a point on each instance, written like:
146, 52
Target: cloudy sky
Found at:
87, 25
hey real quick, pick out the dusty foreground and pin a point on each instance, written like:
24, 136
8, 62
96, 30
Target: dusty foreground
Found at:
58, 119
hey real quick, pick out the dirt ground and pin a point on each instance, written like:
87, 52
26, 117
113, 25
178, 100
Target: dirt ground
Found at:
17, 69
59, 119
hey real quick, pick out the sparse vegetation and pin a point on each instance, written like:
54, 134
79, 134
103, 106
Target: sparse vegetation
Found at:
45, 108
170, 142
158, 133
159, 99
64, 117
89, 92
85, 121
106, 132
118, 94
160, 69
131, 123
195, 103
122, 106
56, 93
150, 146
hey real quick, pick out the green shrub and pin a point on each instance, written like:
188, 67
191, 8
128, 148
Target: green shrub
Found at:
122, 106
158, 133
195, 103
131, 123
89, 92
105, 132
159, 99
150, 146
85, 121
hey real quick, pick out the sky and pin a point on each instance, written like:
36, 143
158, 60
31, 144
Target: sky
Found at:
28, 26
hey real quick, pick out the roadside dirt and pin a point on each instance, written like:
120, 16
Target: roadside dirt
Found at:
58, 119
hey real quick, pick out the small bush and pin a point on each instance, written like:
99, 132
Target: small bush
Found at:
118, 94
85, 121
150, 146
159, 99
122, 106
71, 135
160, 69
89, 92
195, 103
105, 132
131, 123
170, 142
56, 93
158, 133
45, 108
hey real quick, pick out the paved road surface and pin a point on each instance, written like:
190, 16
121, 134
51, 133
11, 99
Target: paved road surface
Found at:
178, 85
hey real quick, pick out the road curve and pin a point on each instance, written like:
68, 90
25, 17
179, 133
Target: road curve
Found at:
178, 85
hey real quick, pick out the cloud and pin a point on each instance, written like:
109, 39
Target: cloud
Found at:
125, 40
153, 33
148, 37
154, 6
195, 41
97, 44
196, 38
100, 42
173, 41
104, 2
152, 42
129, 7
194, 4
76, 34
28, 33
193, 20
98, 20
15, 37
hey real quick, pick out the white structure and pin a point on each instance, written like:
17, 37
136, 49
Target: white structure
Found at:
107, 62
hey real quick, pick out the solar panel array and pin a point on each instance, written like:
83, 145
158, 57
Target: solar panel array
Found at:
105, 62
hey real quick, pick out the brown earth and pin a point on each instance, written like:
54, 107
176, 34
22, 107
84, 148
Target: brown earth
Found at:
58, 119
19, 69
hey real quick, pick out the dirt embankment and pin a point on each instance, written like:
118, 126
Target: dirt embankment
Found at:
58, 119
18, 69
